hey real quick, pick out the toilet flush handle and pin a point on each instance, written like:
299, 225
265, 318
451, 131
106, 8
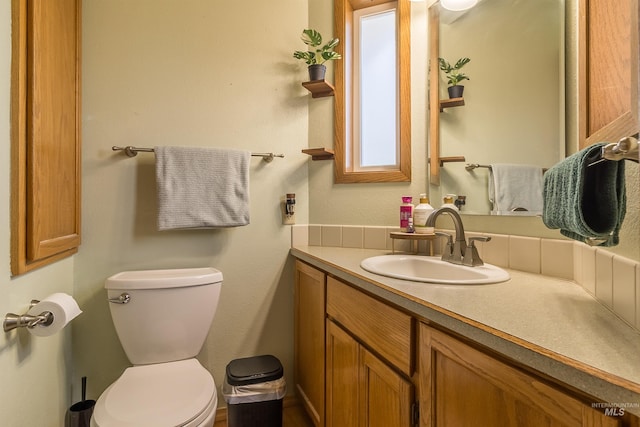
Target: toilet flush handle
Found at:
122, 299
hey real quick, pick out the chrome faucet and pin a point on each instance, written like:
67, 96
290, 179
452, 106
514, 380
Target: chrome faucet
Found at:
458, 251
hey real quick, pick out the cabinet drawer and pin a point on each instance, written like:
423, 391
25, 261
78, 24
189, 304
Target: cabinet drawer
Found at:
382, 328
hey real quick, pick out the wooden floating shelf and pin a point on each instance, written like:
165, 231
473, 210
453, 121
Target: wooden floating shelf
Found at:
450, 103
451, 159
414, 238
319, 153
319, 88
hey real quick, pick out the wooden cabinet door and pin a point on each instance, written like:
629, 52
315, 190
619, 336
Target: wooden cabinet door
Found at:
342, 378
608, 70
310, 339
362, 391
471, 388
45, 131
385, 396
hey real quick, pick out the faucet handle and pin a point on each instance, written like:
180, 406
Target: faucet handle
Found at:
447, 255
471, 256
472, 240
447, 235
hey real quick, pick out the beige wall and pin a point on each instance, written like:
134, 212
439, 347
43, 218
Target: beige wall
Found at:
192, 73
35, 372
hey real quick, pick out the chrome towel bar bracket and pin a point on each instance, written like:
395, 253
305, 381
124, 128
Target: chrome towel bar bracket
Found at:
471, 166
625, 149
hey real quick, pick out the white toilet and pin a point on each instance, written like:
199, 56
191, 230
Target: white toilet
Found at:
162, 318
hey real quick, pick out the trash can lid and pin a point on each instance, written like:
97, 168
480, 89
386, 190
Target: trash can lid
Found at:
253, 370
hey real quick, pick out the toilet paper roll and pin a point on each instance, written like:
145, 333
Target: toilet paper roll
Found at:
64, 309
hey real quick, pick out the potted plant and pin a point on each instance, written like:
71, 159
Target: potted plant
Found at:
318, 54
454, 76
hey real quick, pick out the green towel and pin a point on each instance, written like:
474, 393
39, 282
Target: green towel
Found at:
587, 203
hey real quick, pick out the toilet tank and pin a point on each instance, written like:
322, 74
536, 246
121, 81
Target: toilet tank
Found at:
163, 315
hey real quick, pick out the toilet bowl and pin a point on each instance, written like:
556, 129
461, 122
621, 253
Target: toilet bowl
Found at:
172, 394
162, 318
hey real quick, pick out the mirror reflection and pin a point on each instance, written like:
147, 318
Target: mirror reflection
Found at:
513, 110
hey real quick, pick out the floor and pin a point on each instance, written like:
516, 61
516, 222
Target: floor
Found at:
293, 416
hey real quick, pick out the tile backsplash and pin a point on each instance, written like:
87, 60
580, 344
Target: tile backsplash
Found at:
613, 280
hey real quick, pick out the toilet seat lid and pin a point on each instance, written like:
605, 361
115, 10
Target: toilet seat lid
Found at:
163, 394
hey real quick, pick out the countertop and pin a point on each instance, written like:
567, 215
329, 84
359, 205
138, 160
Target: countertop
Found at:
550, 325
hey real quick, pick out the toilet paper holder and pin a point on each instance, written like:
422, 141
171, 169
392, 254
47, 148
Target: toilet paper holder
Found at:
13, 321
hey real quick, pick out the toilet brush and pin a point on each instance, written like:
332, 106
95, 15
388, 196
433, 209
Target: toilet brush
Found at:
79, 415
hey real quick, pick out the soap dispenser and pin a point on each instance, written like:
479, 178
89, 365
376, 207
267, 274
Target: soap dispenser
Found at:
406, 212
420, 215
448, 202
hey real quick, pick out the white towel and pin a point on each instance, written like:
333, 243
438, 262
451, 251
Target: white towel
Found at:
513, 188
202, 187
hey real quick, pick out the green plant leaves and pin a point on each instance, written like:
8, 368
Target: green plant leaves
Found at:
313, 38
453, 74
328, 56
461, 63
444, 65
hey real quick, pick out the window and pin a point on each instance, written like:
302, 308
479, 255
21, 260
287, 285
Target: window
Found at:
373, 92
375, 107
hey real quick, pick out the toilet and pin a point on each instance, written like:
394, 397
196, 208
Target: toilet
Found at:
162, 318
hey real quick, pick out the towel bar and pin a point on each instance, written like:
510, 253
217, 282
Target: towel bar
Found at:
624, 149
133, 151
471, 166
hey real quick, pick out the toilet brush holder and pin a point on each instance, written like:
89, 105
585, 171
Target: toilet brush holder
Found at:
79, 414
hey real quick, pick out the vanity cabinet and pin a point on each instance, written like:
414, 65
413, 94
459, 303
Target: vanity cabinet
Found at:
368, 360
309, 339
361, 361
45, 132
467, 385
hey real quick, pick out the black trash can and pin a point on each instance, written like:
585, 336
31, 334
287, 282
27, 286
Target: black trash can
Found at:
253, 389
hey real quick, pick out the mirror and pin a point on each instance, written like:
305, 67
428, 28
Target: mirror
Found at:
513, 108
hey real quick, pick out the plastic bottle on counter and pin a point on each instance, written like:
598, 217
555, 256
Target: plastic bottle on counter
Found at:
420, 215
406, 212
448, 202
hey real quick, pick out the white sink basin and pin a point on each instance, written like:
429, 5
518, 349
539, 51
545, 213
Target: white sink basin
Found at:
420, 268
